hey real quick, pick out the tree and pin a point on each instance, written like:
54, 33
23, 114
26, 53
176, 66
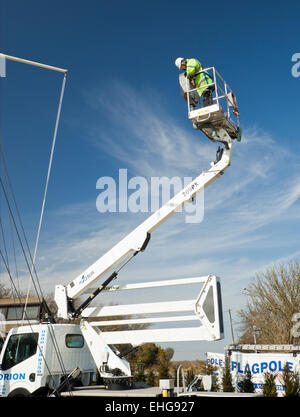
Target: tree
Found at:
146, 354
269, 387
211, 370
273, 299
151, 379
4, 291
246, 384
189, 376
163, 367
150, 357
290, 382
226, 376
139, 375
169, 352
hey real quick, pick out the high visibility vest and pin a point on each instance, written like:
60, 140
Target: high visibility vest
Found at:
202, 80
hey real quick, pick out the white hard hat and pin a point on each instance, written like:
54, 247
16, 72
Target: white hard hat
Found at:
178, 62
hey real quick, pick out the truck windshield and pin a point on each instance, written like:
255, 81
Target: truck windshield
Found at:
19, 348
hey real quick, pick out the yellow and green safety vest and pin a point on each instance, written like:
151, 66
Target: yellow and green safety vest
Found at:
201, 80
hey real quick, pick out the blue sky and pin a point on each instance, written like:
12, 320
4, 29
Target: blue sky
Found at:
122, 109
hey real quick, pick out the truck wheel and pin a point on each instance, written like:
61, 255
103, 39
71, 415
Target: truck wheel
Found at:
19, 392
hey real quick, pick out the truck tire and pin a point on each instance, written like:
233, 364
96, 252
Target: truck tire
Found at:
19, 392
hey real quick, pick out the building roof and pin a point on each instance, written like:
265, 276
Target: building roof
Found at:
19, 301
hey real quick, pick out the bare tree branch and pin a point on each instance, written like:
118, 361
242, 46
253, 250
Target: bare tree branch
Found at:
273, 298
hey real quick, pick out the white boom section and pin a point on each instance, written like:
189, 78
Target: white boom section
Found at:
135, 240
105, 358
206, 308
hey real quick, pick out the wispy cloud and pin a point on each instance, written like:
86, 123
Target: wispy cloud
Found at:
145, 137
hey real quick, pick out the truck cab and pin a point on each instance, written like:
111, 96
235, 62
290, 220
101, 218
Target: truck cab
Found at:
35, 359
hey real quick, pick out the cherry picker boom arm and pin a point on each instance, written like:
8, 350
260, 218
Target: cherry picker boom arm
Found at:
136, 241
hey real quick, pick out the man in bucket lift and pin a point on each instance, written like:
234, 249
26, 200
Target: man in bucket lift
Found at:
192, 66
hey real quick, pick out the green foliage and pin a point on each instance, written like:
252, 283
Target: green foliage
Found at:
216, 386
290, 382
145, 354
189, 376
227, 377
210, 370
163, 371
140, 376
247, 385
163, 368
150, 363
151, 379
169, 353
269, 388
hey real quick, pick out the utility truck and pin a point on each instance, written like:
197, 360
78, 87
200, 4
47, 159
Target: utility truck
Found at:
38, 359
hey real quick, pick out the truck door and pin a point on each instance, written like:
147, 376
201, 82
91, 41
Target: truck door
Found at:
16, 370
